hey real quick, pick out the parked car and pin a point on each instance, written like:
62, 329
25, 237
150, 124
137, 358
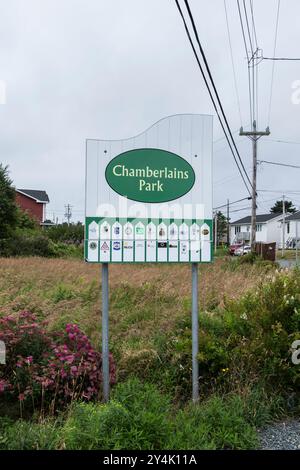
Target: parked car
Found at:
234, 247
243, 250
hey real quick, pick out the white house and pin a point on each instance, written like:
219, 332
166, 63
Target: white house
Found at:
292, 230
268, 229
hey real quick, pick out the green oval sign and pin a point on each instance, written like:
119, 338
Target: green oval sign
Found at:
150, 175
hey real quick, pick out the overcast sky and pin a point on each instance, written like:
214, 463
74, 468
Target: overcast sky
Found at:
77, 69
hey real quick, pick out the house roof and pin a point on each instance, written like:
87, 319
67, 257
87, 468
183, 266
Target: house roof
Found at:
37, 194
260, 219
295, 216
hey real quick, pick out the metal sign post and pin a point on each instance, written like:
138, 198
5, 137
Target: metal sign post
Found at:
195, 333
296, 242
105, 332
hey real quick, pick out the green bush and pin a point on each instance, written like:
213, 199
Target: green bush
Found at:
245, 342
218, 423
140, 417
73, 233
27, 245
91, 426
36, 243
137, 417
23, 435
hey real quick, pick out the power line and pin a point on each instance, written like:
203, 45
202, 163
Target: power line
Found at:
280, 58
248, 28
233, 144
232, 63
254, 64
222, 138
277, 163
288, 191
253, 23
233, 202
243, 31
283, 141
248, 60
273, 65
239, 210
213, 84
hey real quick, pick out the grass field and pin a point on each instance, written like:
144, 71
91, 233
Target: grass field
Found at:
144, 299
248, 316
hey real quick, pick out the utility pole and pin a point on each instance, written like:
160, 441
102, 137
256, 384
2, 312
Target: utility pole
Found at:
283, 225
68, 213
254, 135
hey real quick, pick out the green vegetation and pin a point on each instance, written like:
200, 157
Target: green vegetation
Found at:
140, 417
20, 235
278, 207
249, 317
8, 207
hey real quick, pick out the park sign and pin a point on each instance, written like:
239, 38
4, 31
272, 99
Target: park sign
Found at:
149, 197
150, 175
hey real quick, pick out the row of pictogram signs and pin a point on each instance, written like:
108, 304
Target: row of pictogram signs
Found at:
139, 242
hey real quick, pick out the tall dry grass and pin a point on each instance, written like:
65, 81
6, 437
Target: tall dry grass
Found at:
146, 300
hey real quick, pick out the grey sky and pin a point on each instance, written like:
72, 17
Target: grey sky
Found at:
78, 69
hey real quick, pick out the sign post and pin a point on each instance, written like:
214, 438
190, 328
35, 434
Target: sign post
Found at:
195, 333
105, 332
149, 200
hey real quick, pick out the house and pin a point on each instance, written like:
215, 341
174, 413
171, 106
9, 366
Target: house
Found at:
292, 230
268, 229
34, 202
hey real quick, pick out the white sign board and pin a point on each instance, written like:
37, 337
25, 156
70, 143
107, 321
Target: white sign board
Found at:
149, 197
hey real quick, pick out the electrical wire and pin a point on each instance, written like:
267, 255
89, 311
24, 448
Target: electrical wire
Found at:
253, 23
283, 141
233, 202
214, 88
248, 60
232, 63
248, 28
273, 65
277, 163
233, 144
239, 210
280, 58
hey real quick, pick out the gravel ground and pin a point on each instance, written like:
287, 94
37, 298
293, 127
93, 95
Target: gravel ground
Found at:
281, 436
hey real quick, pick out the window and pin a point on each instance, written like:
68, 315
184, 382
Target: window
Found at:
237, 229
258, 227
288, 227
248, 228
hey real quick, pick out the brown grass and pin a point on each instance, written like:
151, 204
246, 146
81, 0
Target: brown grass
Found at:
147, 300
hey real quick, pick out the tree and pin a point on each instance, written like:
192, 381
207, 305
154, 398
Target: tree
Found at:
278, 207
73, 233
25, 221
8, 207
221, 225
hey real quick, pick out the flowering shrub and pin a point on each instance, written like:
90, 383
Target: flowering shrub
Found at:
50, 369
